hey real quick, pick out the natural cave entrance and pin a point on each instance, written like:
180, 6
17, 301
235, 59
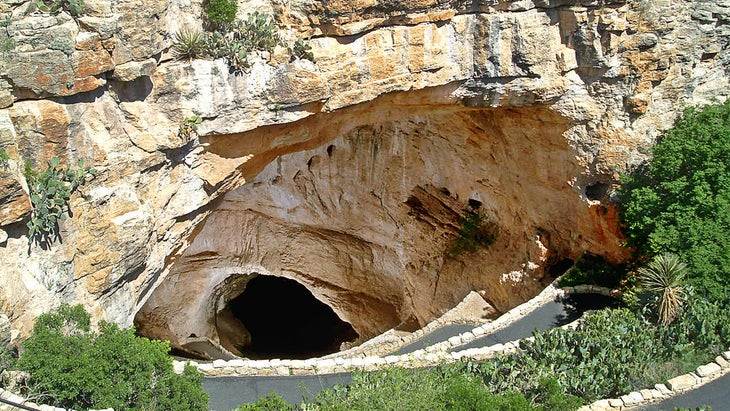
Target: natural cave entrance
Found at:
285, 320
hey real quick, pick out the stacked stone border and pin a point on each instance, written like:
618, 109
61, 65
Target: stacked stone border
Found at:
702, 375
437, 354
351, 360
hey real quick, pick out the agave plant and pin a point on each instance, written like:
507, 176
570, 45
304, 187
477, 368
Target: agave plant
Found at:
663, 277
188, 44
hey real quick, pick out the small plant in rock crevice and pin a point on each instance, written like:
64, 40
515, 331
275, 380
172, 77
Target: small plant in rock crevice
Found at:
189, 127
73, 7
7, 43
301, 50
50, 192
4, 159
475, 230
188, 44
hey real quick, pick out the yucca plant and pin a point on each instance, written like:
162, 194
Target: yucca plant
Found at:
663, 277
188, 44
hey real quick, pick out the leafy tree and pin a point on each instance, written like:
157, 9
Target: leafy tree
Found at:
680, 202
74, 367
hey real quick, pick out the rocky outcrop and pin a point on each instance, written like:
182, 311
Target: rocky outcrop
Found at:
349, 174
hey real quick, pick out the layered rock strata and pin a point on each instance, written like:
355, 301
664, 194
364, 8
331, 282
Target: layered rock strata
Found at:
348, 174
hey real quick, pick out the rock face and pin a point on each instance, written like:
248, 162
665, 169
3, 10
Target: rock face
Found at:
349, 174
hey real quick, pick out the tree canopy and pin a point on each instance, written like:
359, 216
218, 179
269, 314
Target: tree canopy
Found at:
75, 367
680, 201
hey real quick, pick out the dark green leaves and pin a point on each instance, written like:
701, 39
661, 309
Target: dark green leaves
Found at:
74, 367
680, 202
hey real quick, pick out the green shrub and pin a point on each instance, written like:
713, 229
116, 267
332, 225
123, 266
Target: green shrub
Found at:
188, 44
593, 269
301, 50
475, 231
50, 192
272, 402
441, 388
73, 367
680, 202
220, 13
73, 7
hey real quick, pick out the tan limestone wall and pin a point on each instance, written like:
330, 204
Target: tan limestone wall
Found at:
103, 88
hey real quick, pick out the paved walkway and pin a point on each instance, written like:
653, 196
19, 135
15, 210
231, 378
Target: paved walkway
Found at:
553, 314
716, 394
228, 392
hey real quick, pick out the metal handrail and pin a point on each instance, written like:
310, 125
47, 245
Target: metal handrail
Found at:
21, 406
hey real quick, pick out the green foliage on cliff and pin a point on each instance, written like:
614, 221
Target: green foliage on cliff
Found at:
50, 192
73, 7
220, 13
680, 202
72, 366
235, 40
475, 230
4, 158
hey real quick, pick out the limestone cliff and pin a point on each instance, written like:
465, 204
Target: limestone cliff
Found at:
348, 174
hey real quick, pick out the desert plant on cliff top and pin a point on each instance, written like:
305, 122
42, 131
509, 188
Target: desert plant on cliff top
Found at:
188, 44
50, 192
72, 366
73, 7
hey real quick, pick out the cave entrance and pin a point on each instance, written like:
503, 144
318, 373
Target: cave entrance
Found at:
285, 320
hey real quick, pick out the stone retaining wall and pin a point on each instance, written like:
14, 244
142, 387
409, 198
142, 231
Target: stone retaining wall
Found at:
703, 374
355, 359
362, 360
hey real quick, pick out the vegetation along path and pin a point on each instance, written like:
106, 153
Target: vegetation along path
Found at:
229, 392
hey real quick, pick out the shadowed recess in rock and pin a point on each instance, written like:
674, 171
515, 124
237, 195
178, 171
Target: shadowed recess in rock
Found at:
286, 321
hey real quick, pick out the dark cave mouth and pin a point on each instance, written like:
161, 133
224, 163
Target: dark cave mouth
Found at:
285, 320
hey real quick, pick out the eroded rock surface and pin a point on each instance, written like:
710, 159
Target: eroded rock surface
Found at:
349, 174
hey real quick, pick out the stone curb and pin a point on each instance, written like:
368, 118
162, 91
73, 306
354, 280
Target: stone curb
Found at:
7, 395
428, 356
702, 375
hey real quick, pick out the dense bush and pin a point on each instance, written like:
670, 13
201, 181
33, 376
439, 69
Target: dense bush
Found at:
593, 269
680, 202
220, 13
72, 366
443, 388
578, 359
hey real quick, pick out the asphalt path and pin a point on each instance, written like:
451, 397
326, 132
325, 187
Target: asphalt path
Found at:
556, 313
434, 337
716, 394
227, 393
